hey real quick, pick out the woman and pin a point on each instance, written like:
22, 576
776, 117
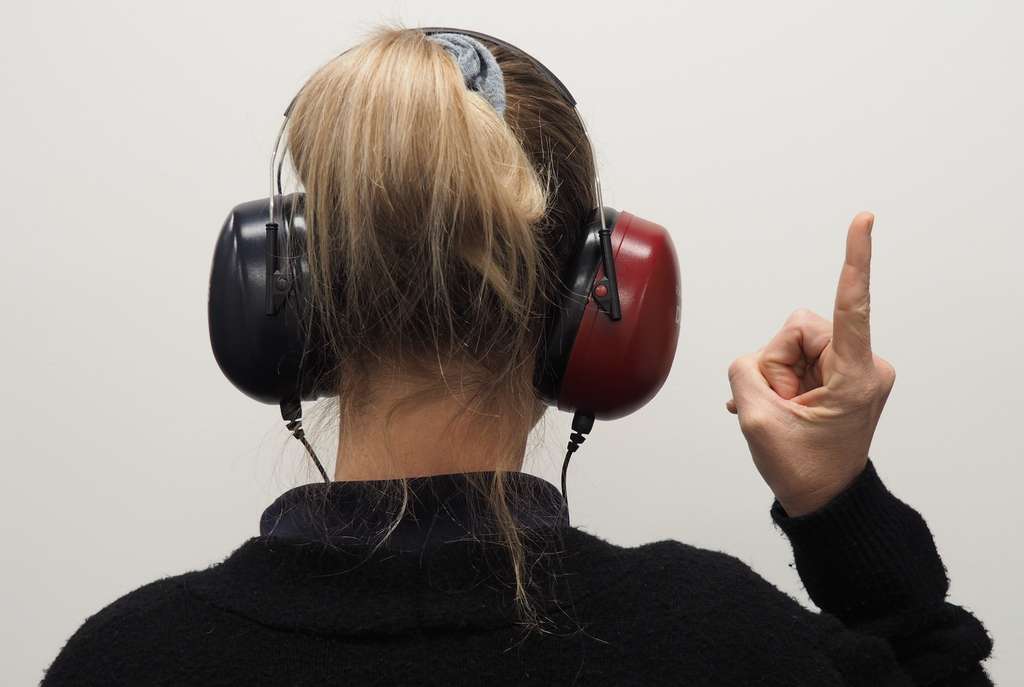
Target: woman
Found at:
437, 214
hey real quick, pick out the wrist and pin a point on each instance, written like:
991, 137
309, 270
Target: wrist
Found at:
804, 500
866, 553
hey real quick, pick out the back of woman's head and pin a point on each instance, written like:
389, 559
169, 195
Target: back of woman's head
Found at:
437, 227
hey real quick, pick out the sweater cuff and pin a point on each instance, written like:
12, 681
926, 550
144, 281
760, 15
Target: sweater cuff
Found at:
865, 554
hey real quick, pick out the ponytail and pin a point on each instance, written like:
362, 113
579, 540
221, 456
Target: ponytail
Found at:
421, 207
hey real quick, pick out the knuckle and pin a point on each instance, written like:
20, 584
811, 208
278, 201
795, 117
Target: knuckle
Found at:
737, 366
874, 386
860, 310
800, 316
753, 422
863, 396
887, 371
860, 387
806, 321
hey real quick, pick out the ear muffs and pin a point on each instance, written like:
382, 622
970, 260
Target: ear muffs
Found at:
271, 358
603, 368
587, 361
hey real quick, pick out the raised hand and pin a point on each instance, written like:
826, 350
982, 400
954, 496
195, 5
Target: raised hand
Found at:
809, 401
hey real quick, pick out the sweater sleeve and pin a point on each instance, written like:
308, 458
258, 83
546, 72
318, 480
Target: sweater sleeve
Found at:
869, 559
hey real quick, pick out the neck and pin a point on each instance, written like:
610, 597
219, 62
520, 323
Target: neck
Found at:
402, 433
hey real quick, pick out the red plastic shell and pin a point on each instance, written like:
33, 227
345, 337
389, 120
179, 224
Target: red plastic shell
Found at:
614, 368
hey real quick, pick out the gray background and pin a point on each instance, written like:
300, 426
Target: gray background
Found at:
754, 131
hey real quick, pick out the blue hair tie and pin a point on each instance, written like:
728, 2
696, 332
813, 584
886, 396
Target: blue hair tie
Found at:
480, 70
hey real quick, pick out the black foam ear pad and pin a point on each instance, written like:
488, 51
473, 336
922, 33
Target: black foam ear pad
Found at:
566, 311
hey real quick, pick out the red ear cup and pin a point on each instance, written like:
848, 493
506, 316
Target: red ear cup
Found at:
615, 368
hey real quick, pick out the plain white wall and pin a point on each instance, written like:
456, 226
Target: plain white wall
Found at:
754, 131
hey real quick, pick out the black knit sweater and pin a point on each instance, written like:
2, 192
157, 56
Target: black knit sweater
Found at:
283, 610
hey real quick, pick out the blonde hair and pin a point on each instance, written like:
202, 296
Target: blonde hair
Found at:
436, 229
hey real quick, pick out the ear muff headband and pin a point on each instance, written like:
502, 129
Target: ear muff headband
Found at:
563, 91
431, 30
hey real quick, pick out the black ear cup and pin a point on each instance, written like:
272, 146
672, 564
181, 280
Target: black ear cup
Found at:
272, 358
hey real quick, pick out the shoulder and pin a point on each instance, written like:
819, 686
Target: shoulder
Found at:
705, 571
688, 596
706, 580
689, 568
126, 640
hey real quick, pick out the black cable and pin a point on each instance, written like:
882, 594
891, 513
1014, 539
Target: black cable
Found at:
295, 427
581, 426
565, 469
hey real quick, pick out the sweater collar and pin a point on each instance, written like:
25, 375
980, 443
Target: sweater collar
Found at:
367, 591
322, 566
412, 514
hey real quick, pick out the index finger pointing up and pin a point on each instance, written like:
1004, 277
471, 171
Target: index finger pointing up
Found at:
851, 324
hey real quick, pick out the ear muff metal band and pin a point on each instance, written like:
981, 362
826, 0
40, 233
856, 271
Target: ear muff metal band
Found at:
545, 72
